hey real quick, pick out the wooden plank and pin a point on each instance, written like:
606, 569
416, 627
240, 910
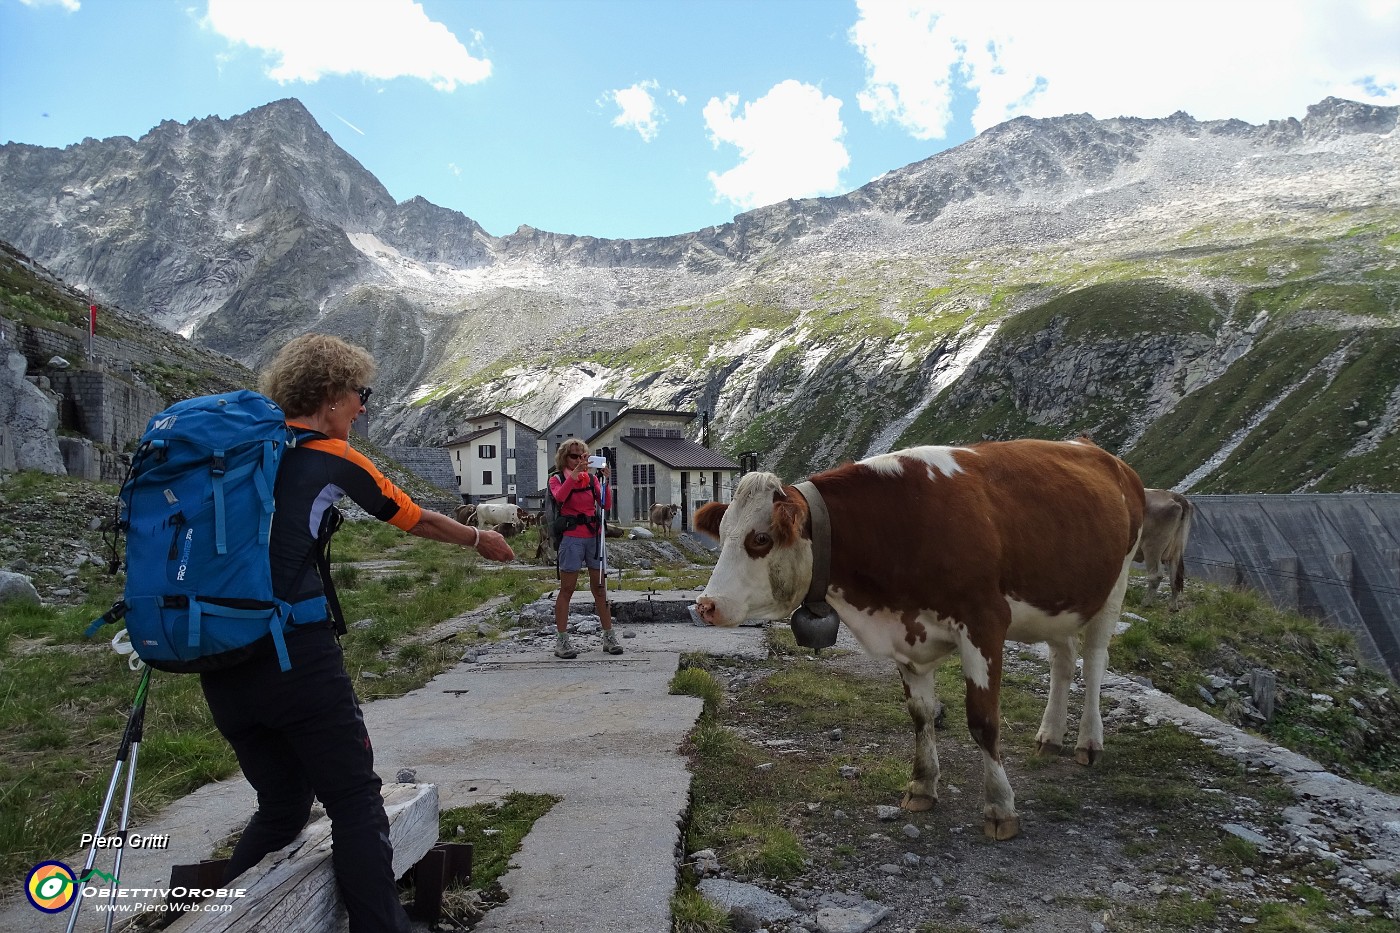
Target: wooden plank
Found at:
293, 889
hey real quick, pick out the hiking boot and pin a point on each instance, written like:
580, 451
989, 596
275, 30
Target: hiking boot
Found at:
562, 648
610, 644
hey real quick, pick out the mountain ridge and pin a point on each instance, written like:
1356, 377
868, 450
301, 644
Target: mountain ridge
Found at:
242, 232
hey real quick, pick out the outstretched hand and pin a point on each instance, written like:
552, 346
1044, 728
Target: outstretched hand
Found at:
493, 546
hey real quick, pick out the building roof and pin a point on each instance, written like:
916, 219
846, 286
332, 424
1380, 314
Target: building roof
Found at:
680, 454
468, 438
491, 414
686, 415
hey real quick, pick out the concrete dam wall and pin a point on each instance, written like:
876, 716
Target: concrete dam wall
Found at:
1335, 558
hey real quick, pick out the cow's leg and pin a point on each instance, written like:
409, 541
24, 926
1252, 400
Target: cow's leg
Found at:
922, 792
982, 671
1178, 584
1096, 636
1052, 725
1154, 580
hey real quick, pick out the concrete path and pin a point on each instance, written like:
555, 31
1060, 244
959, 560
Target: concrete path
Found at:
601, 732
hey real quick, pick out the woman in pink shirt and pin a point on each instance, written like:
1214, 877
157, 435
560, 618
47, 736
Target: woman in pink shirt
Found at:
579, 497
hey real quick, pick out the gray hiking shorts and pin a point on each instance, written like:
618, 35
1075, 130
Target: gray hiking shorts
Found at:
575, 552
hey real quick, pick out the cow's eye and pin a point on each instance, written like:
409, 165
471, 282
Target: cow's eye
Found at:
762, 539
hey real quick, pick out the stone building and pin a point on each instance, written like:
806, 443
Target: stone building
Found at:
497, 457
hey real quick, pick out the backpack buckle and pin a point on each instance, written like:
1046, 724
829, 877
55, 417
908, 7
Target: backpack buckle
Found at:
217, 465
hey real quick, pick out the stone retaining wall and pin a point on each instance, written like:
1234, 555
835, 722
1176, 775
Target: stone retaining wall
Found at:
1331, 557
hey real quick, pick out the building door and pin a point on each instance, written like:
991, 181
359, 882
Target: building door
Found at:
685, 502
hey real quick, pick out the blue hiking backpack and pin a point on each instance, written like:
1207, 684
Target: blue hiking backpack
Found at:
197, 511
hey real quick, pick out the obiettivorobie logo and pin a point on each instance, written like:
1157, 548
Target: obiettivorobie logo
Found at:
52, 886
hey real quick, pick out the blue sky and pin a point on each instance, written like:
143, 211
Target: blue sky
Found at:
633, 118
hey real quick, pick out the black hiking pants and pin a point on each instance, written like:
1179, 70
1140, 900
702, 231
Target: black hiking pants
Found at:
299, 734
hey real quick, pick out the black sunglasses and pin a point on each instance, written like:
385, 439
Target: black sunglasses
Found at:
365, 392
573, 456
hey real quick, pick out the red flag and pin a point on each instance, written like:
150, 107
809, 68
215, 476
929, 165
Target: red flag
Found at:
92, 319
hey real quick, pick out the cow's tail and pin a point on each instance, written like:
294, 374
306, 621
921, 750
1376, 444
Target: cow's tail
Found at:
1176, 548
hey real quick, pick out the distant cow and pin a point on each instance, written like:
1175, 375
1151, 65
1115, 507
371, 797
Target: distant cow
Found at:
1166, 526
937, 550
464, 513
662, 516
490, 514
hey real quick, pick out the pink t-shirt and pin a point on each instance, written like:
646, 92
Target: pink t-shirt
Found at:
574, 499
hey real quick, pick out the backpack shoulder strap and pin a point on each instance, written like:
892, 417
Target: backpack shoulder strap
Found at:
329, 525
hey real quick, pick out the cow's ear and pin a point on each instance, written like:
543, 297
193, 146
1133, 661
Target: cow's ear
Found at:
789, 519
708, 517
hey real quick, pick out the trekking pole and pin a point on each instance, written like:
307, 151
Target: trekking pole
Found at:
603, 536
130, 745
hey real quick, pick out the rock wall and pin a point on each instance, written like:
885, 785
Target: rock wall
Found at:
432, 464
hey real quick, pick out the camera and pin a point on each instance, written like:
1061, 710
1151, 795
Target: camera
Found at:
597, 463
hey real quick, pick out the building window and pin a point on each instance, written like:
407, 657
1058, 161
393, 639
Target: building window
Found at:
643, 490
486, 451
510, 479
510, 453
486, 477
458, 453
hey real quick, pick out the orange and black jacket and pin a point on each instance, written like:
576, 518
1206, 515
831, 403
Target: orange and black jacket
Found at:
313, 475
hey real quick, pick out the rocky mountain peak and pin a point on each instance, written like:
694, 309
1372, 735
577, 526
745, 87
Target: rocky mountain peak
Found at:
1333, 117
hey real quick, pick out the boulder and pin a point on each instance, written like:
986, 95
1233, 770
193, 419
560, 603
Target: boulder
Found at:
16, 587
30, 416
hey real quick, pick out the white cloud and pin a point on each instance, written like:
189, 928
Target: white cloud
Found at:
789, 145
637, 109
382, 39
1253, 59
72, 6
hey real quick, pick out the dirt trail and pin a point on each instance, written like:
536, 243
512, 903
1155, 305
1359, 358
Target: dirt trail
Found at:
1184, 823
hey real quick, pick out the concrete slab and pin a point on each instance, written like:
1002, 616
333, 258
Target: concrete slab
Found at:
601, 732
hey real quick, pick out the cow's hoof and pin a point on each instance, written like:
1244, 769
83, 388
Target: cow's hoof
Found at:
917, 803
1003, 828
1047, 748
1086, 756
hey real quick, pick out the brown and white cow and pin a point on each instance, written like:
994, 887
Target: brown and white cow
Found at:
1166, 526
1026, 540
661, 516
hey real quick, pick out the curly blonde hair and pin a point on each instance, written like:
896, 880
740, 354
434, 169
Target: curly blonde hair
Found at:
313, 369
572, 443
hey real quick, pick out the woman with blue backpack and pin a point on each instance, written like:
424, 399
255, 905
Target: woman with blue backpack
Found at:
298, 732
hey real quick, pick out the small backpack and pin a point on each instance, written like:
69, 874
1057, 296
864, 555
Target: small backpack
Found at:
197, 511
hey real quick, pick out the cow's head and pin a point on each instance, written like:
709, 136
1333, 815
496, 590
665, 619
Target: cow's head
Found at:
765, 557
